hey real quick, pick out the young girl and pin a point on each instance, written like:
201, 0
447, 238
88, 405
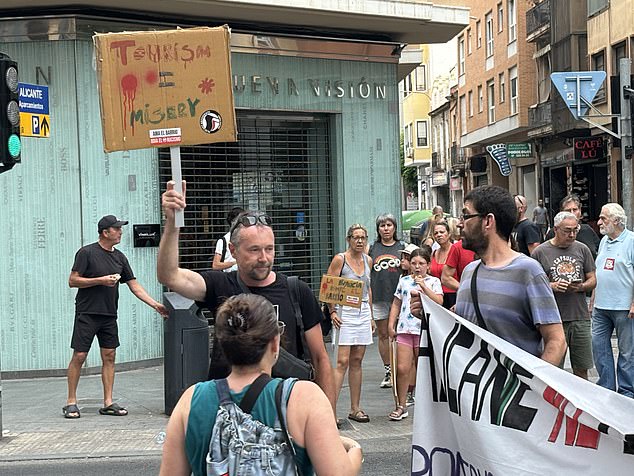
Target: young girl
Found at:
407, 332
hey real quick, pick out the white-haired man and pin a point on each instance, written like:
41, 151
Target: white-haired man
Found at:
613, 302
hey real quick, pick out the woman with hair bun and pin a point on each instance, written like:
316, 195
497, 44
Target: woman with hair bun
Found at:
249, 333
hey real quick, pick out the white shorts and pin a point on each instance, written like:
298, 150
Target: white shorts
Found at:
356, 326
381, 310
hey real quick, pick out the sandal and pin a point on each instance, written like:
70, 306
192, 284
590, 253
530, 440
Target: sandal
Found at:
359, 416
398, 414
71, 411
113, 410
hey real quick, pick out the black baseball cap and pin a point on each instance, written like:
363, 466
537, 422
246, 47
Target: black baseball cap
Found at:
108, 221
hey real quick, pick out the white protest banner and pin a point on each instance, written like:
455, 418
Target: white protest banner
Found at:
485, 407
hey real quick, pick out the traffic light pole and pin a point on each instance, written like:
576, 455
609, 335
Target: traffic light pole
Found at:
625, 66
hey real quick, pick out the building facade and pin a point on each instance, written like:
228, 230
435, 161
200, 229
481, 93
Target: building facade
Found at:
318, 146
495, 89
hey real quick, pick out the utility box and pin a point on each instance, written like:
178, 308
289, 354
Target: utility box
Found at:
186, 344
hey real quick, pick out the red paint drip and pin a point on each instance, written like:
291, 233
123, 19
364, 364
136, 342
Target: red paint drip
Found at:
128, 87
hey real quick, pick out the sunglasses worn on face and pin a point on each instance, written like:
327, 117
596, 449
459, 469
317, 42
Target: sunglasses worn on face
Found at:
251, 219
466, 216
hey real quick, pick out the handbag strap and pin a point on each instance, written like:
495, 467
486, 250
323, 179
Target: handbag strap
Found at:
474, 297
281, 416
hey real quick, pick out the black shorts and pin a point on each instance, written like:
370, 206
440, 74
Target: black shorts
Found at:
87, 326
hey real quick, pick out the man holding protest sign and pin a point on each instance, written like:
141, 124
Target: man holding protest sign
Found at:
252, 245
516, 303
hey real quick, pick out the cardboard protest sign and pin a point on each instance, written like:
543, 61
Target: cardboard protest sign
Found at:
343, 291
165, 88
484, 406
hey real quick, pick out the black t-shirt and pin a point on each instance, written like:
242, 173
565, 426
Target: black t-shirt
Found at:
526, 232
221, 285
92, 261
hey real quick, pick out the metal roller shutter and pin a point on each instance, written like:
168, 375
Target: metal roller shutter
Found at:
280, 165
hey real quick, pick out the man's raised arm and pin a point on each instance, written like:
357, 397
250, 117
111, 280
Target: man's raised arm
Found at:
183, 281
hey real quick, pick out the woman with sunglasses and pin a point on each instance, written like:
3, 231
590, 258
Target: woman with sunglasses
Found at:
355, 324
249, 333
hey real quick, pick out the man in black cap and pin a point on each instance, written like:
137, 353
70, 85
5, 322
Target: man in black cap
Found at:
97, 272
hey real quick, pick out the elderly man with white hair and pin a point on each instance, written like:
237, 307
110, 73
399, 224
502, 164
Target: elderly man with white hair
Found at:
613, 302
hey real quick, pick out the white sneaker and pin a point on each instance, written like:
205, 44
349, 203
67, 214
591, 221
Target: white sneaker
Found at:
387, 380
410, 399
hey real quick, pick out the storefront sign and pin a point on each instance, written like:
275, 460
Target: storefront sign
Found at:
498, 153
438, 179
256, 84
521, 150
455, 183
589, 148
560, 159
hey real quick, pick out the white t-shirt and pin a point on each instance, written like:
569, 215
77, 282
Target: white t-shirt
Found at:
407, 322
228, 256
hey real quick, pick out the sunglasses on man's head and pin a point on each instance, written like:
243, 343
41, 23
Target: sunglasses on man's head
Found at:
251, 219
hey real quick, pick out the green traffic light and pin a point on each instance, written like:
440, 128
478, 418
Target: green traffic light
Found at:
15, 146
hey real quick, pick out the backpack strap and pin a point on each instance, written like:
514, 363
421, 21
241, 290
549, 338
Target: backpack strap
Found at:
224, 249
243, 286
222, 389
474, 297
293, 291
282, 392
251, 396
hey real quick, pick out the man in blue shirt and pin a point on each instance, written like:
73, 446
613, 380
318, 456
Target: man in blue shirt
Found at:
612, 302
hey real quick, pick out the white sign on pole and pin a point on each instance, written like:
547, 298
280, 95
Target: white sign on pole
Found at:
485, 407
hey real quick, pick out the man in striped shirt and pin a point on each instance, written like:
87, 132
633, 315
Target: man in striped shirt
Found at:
514, 295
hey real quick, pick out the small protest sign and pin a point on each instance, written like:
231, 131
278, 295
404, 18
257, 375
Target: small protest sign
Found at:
342, 291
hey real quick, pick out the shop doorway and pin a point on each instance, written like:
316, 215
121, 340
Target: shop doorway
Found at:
555, 188
281, 166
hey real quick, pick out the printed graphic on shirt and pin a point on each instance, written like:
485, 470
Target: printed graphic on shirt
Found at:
387, 262
566, 268
609, 264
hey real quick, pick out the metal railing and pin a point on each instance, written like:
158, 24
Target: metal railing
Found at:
540, 115
537, 18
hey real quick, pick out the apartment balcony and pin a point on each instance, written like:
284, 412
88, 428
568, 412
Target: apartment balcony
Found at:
540, 119
458, 157
539, 115
538, 21
435, 160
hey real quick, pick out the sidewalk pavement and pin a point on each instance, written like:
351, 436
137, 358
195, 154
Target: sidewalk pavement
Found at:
35, 429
